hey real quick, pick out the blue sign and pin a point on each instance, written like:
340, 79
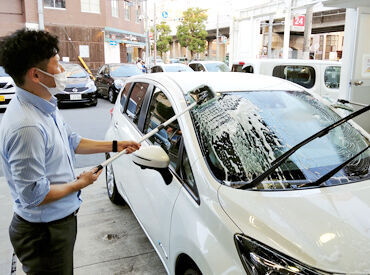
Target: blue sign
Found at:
113, 43
164, 14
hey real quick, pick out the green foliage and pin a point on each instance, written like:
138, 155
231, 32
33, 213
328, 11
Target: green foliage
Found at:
164, 37
192, 32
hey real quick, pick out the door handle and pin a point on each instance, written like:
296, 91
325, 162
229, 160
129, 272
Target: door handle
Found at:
358, 82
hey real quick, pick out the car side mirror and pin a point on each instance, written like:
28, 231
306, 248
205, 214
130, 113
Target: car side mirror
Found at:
154, 157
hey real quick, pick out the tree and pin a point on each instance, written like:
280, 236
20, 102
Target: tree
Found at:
164, 37
192, 32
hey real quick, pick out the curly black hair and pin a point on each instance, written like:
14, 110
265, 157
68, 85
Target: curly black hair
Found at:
25, 49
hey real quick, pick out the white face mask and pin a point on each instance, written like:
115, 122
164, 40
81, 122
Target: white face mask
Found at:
60, 80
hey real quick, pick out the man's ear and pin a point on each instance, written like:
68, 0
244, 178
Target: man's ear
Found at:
33, 75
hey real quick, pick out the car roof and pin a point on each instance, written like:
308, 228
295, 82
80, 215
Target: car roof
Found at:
205, 61
172, 65
287, 61
221, 81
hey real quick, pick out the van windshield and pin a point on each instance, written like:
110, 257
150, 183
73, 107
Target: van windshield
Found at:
242, 133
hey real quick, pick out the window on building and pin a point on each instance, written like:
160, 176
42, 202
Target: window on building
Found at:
55, 4
92, 6
114, 8
126, 8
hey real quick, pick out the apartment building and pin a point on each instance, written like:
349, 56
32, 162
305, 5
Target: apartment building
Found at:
99, 31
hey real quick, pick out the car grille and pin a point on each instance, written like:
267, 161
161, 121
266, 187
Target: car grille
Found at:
3, 84
75, 90
5, 102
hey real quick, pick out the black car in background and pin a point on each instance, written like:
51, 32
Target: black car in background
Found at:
111, 77
80, 87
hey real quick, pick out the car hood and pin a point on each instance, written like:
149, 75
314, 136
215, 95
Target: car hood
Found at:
77, 82
327, 228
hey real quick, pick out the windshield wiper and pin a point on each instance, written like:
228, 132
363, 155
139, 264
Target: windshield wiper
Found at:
277, 162
332, 172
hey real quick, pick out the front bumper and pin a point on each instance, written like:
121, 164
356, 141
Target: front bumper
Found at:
5, 97
80, 98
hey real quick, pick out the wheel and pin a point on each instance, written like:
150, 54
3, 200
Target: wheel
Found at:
112, 95
187, 267
112, 190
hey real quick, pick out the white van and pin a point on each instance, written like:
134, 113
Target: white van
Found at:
318, 76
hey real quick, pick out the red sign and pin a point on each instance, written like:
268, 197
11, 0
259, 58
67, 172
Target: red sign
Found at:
299, 21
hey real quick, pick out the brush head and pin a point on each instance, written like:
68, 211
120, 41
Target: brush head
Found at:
200, 95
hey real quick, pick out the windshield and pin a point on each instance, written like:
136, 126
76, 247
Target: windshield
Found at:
124, 70
242, 133
74, 71
178, 69
217, 67
2, 72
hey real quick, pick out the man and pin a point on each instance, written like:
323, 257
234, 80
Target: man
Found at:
37, 153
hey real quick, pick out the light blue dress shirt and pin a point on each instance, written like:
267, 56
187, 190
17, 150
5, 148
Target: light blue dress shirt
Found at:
37, 150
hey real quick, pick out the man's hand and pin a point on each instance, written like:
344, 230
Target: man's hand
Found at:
87, 177
131, 146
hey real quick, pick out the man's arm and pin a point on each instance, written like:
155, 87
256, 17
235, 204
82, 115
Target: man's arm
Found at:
58, 191
89, 146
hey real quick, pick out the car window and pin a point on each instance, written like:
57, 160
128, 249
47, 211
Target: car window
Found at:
160, 110
106, 70
124, 95
194, 67
248, 69
201, 68
237, 68
101, 70
301, 75
136, 101
332, 77
242, 133
187, 175
124, 70
154, 69
75, 71
217, 67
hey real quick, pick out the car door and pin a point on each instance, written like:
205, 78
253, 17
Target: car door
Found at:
99, 79
150, 198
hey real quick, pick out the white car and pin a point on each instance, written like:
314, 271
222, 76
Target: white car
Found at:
208, 212
209, 66
7, 89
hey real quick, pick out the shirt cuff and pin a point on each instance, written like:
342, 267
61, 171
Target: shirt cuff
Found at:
74, 140
32, 194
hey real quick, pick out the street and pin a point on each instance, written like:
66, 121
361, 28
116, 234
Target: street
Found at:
109, 239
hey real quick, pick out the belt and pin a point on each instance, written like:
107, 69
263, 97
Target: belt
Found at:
73, 214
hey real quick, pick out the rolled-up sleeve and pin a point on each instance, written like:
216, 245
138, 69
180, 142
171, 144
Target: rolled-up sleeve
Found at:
73, 138
26, 154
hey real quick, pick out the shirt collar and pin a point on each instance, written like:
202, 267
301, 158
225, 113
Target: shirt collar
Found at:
45, 106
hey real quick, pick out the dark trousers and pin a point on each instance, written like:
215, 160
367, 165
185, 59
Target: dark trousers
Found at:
44, 248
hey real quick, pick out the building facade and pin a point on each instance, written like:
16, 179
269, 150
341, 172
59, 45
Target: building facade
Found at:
98, 31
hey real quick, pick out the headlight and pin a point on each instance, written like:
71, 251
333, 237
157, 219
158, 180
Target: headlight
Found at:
258, 258
91, 85
118, 84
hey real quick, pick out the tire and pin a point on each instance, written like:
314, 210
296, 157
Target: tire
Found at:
188, 267
112, 96
112, 190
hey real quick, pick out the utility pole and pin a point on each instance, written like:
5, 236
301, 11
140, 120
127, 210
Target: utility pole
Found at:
307, 32
217, 40
288, 13
269, 52
147, 47
155, 37
40, 9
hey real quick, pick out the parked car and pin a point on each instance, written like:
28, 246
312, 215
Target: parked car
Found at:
80, 87
7, 88
196, 213
111, 77
318, 76
177, 67
209, 66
